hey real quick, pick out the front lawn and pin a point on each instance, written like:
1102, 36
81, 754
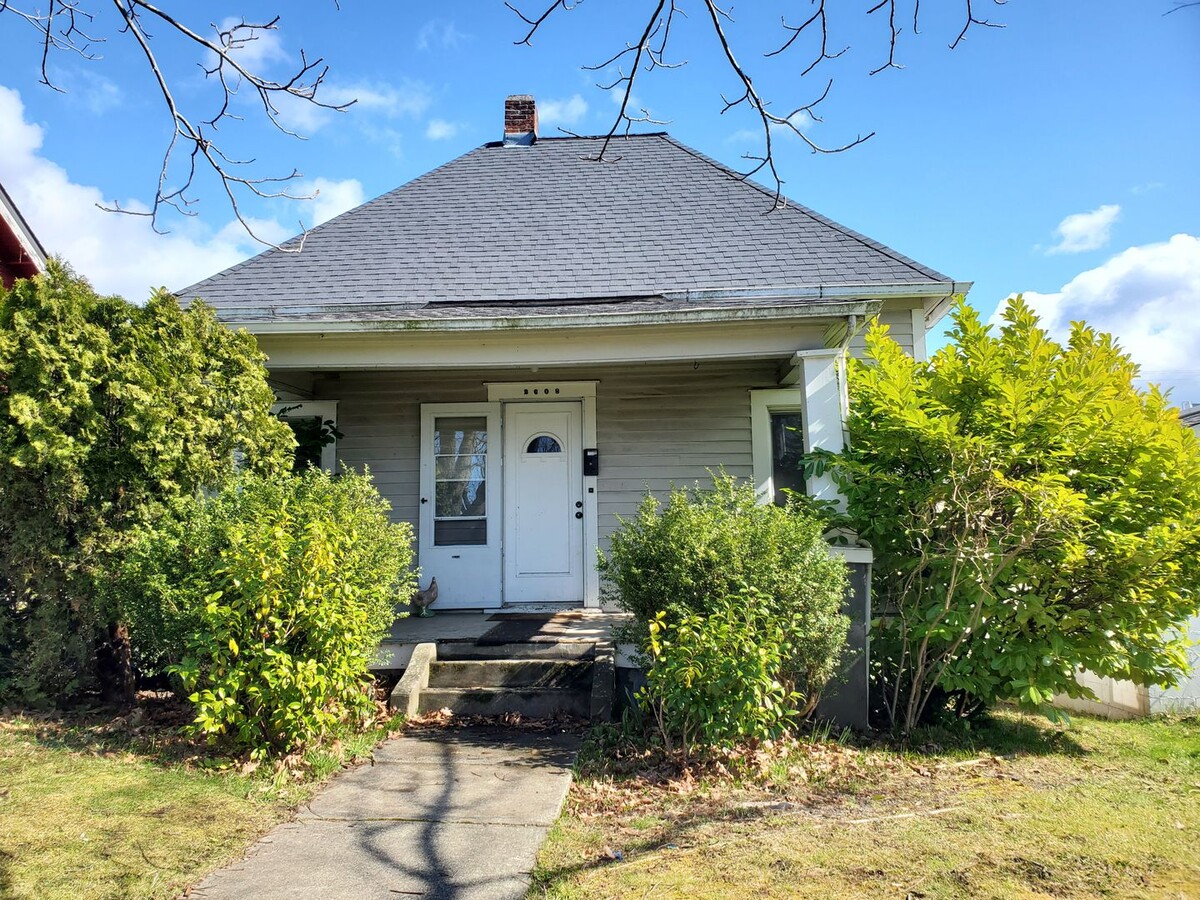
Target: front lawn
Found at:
97, 807
1018, 808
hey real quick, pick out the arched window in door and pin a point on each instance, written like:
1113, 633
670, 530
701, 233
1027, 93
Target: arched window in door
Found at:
543, 443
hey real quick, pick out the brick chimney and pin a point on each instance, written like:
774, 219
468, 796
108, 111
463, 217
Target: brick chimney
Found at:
520, 121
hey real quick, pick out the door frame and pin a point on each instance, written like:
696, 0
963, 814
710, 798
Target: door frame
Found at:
584, 392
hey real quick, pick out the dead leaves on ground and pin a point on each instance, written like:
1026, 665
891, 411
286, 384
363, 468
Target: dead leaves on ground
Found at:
793, 775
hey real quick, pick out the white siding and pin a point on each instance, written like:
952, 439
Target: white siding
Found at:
657, 424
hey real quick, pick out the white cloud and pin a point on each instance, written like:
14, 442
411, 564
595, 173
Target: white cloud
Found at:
440, 130
332, 198
122, 254
1086, 231
800, 120
442, 34
1147, 187
562, 112
1147, 297
84, 86
409, 99
254, 49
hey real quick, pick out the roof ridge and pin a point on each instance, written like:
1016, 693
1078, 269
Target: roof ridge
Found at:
584, 137
811, 213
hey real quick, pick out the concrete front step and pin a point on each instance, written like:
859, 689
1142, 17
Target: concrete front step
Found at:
577, 680
534, 703
460, 650
513, 673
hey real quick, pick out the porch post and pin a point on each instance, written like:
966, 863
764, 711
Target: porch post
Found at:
822, 377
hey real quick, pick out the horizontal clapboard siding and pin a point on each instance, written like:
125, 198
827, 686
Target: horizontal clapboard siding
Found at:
899, 320
658, 425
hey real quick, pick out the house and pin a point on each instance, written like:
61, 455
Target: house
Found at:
1185, 695
21, 254
523, 340
1120, 699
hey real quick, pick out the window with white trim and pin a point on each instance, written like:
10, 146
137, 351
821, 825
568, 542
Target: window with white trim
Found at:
314, 422
787, 454
778, 443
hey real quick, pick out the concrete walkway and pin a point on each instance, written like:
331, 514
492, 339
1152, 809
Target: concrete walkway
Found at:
455, 813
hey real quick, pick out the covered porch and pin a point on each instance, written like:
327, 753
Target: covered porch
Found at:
515, 459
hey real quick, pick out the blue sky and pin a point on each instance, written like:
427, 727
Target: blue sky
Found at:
1057, 156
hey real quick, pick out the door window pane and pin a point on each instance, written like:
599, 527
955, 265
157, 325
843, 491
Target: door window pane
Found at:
460, 480
543, 443
454, 468
787, 453
460, 532
460, 499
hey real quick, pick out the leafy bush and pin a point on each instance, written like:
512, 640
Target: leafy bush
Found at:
267, 601
1032, 512
108, 410
714, 679
705, 552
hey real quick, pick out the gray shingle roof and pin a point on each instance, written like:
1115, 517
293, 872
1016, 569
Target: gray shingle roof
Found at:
547, 223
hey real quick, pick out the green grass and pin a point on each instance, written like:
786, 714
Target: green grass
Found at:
92, 808
1096, 809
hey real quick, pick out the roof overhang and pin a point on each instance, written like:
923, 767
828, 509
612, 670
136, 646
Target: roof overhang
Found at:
559, 322
684, 307
941, 305
21, 248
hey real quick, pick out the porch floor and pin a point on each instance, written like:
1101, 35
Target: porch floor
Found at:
571, 626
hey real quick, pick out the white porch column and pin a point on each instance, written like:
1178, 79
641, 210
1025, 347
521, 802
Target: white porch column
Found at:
821, 375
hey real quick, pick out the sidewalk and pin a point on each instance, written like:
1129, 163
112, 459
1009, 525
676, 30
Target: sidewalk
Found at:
453, 814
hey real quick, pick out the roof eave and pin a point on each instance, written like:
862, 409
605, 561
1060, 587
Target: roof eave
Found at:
683, 316
21, 231
934, 313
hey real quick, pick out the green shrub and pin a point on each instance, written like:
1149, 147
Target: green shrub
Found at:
108, 411
267, 601
705, 551
714, 679
1033, 511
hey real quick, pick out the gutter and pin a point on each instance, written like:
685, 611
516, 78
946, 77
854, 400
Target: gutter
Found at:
860, 307
945, 289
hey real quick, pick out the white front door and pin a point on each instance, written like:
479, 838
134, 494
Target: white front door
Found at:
543, 502
459, 535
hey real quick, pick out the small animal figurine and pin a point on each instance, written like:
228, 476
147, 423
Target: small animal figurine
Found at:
422, 600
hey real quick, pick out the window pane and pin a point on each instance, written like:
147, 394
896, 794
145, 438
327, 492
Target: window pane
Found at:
457, 468
310, 434
459, 499
460, 435
787, 452
460, 532
543, 443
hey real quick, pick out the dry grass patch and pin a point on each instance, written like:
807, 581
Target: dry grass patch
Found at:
93, 806
1016, 809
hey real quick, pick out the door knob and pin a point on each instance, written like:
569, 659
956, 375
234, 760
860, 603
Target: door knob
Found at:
579, 504
578, 514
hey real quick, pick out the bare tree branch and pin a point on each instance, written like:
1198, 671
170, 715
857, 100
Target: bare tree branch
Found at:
649, 52
891, 60
971, 20
193, 136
